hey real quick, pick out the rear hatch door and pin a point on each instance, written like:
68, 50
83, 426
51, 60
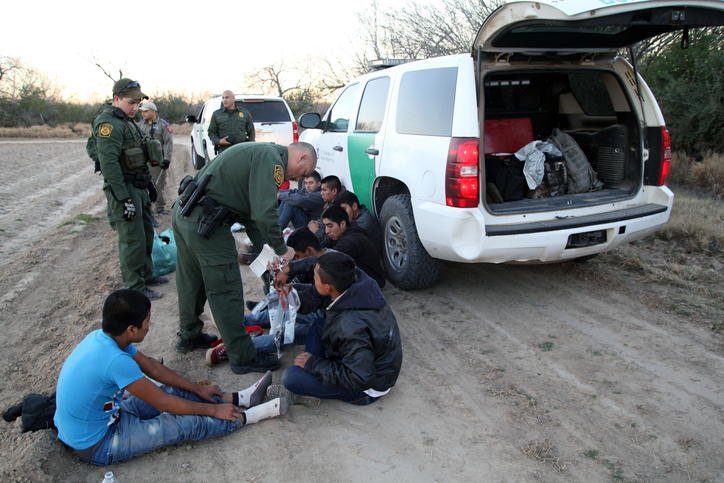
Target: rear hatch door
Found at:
558, 27
272, 119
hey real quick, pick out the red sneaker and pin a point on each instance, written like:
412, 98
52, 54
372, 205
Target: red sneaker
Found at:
216, 355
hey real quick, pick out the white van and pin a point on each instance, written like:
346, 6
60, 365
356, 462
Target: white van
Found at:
273, 121
414, 141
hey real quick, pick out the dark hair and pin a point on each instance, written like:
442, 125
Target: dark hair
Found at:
316, 176
337, 269
346, 197
302, 238
336, 214
123, 308
332, 182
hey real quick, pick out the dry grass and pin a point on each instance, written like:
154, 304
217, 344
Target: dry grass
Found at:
545, 452
707, 174
70, 130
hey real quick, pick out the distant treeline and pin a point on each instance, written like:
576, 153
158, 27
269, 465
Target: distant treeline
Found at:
37, 109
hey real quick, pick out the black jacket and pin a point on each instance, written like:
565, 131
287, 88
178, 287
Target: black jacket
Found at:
362, 344
354, 242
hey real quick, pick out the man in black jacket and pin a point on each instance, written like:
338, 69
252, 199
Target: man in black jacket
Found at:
356, 354
348, 237
361, 215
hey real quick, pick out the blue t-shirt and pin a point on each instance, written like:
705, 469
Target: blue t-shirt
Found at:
90, 387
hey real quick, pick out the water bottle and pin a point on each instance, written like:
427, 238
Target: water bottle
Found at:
109, 478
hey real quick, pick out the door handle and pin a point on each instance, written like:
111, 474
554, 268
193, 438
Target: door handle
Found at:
338, 148
372, 151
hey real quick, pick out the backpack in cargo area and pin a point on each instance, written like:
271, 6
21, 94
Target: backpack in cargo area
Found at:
581, 176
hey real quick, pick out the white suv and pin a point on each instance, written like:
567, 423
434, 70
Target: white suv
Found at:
407, 140
273, 121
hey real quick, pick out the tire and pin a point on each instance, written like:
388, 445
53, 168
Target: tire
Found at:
199, 161
407, 263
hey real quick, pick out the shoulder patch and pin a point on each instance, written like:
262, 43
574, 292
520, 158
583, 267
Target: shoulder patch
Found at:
278, 175
168, 128
105, 129
241, 114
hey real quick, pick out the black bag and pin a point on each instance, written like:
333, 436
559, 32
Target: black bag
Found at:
507, 175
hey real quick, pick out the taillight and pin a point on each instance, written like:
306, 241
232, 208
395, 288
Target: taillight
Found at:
461, 176
296, 131
665, 155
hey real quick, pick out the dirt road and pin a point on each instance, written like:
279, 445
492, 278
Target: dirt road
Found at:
511, 373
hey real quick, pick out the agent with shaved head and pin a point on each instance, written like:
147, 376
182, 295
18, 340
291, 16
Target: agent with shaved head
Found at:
230, 125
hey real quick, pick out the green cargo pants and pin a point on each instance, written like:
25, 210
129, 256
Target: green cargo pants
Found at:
209, 270
135, 238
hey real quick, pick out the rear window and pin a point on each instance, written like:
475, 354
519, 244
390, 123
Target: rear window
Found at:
266, 111
426, 102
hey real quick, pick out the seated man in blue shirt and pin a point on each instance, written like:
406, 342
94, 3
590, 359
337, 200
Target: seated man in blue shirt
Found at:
104, 427
301, 205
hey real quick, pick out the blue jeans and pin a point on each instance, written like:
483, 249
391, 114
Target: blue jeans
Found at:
300, 381
298, 216
142, 428
265, 344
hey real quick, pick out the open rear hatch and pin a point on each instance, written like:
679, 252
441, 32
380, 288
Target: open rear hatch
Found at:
549, 65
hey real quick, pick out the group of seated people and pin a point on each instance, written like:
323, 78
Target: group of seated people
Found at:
114, 403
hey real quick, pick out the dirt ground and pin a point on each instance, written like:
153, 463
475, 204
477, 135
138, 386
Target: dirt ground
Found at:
566, 372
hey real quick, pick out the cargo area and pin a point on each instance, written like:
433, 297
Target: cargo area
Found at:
589, 105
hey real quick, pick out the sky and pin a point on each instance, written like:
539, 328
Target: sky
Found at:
177, 46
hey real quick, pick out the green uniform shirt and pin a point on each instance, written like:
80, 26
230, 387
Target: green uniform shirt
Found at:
245, 180
120, 150
235, 123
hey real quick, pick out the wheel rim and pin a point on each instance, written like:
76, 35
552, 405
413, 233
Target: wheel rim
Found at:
396, 243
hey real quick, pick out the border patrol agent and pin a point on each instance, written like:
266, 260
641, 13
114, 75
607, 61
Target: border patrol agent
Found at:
154, 127
243, 181
127, 185
230, 125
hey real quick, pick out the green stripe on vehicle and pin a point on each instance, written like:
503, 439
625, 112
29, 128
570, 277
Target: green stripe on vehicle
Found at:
361, 166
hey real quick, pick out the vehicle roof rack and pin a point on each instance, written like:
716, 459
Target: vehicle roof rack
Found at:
379, 64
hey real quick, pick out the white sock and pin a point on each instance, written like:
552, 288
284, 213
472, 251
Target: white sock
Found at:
254, 394
275, 407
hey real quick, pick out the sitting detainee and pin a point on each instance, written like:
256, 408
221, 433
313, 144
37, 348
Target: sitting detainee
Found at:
104, 427
355, 355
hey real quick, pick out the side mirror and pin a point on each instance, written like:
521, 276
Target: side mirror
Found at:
310, 120
191, 118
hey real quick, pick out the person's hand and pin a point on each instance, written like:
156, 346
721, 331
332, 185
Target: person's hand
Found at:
205, 392
224, 142
289, 256
280, 280
313, 226
228, 412
165, 164
302, 359
129, 210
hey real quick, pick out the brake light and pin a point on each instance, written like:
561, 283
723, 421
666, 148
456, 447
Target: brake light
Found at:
296, 131
665, 155
461, 176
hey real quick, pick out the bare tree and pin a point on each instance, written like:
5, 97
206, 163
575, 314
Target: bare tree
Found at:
107, 70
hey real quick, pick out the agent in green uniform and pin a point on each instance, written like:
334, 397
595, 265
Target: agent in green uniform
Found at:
127, 185
230, 125
244, 180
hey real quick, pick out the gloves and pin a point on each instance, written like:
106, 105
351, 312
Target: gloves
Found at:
152, 193
165, 164
129, 210
97, 167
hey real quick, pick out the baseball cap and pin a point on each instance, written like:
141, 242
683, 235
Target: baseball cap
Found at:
148, 106
129, 87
